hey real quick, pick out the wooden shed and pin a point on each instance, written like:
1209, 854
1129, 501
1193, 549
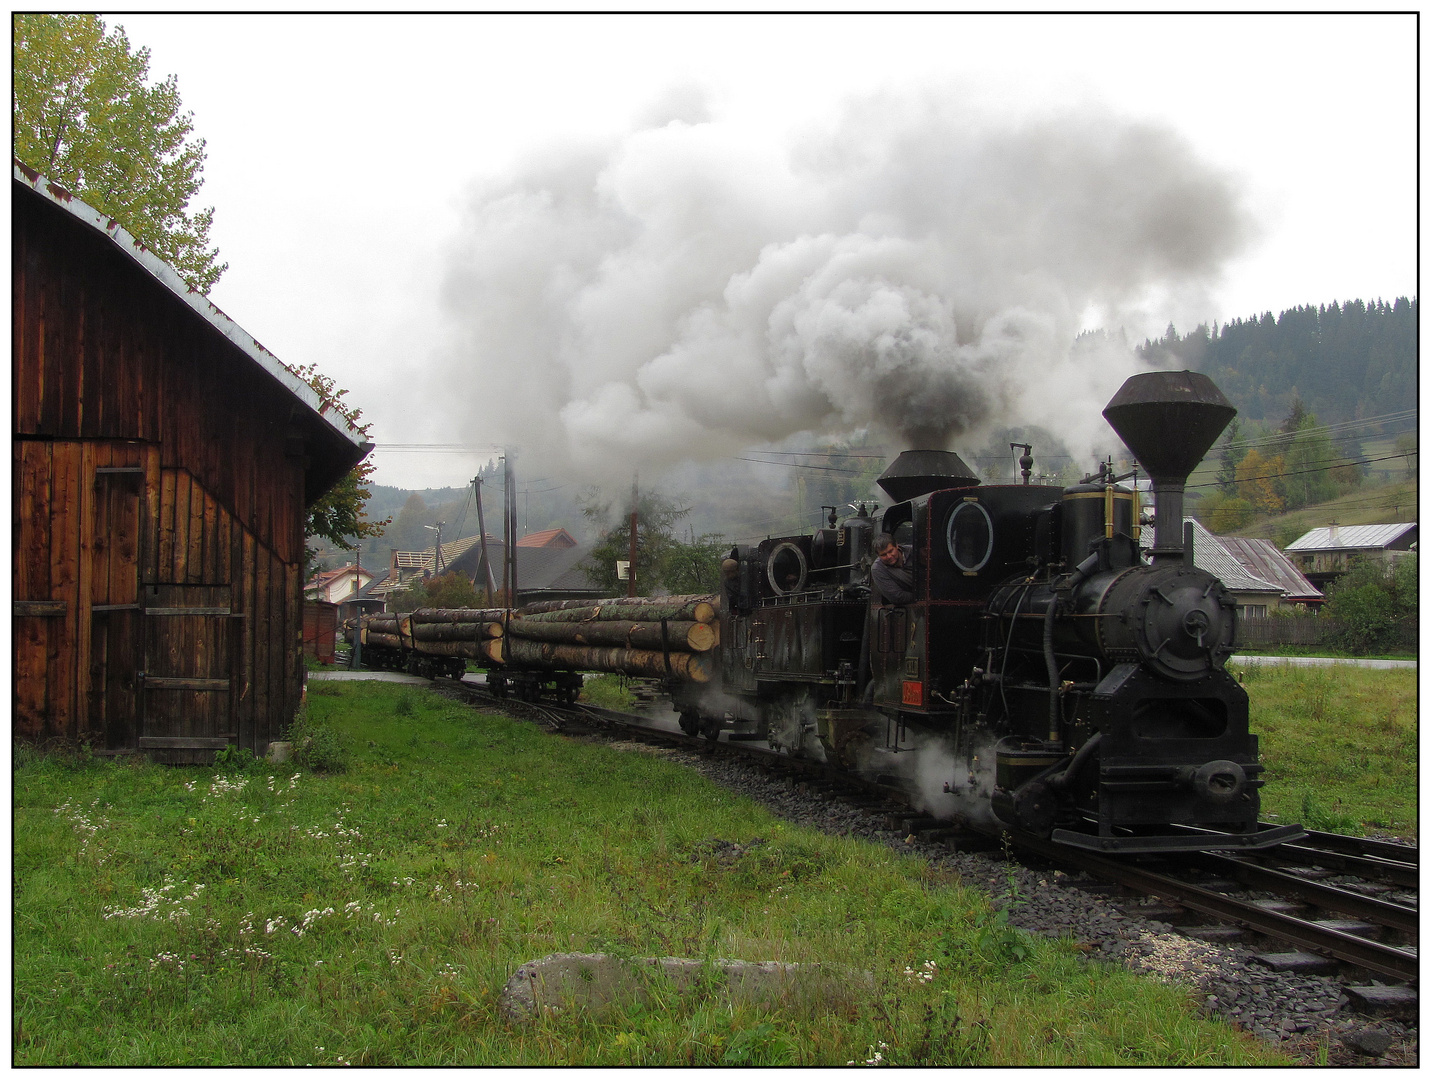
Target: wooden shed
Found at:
163, 463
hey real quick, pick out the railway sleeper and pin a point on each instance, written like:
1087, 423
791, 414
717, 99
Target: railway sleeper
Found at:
1398, 1002
1298, 963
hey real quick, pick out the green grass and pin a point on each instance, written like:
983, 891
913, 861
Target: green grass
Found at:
1339, 743
1320, 650
607, 692
157, 909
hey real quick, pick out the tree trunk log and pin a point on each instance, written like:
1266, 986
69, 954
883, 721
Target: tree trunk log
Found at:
693, 667
542, 607
424, 616
702, 609
450, 631
471, 649
377, 637
680, 636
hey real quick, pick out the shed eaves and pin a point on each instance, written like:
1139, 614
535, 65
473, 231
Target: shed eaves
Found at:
167, 276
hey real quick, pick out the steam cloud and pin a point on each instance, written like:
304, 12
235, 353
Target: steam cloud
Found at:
683, 292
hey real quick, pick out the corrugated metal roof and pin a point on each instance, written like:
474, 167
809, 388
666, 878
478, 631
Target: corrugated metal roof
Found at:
1262, 558
1210, 555
1351, 537
167, 276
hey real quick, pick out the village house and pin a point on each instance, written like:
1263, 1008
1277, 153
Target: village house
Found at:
1325, 554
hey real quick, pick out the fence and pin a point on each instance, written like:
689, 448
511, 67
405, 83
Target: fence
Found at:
1254, 633
1286, 630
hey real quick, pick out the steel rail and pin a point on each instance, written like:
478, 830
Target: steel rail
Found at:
1327, 897
1361, 847
1403, 874
1371, 955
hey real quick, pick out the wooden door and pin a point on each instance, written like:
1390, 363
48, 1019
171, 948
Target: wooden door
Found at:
111, 548
186, 698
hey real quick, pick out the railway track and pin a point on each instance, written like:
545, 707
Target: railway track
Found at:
1327, 904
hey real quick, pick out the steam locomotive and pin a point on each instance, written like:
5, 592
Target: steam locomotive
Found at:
1048, 671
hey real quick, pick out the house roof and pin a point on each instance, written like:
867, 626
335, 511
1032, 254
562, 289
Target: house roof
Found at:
323, 413
422, 560
323, 577
1262, 558
548, 538
1210, 555
1352, 537
538, 568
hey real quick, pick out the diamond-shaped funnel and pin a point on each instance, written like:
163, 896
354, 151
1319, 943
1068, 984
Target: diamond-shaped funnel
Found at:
918, 472
1169, 419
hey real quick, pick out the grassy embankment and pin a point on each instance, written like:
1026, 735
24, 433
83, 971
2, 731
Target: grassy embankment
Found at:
172, 916
1339, 743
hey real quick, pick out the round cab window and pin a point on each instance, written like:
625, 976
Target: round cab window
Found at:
971, 537
786, 569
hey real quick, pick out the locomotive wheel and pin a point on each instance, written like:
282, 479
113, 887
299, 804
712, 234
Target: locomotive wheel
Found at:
690, 722
710, 728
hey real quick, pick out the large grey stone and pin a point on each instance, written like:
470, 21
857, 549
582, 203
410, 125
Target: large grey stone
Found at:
564, 981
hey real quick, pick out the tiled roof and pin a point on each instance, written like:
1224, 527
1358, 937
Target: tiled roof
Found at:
1352, 537
1210, 555
548, 538
1262, 558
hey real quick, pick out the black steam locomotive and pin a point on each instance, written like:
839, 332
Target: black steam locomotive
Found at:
1045, 670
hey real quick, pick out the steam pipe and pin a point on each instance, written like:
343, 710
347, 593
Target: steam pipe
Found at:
1063, 779
1075, 579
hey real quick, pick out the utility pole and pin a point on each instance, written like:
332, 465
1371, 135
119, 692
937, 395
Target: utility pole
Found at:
482, 532
511, 538
357, 655
635, 518
436, 547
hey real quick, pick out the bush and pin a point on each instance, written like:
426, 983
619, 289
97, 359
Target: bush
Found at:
1372, 604
317, 747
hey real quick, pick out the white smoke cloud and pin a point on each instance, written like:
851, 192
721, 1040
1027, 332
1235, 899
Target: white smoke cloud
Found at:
685, 291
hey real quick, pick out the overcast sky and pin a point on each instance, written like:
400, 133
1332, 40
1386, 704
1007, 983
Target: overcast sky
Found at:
346, 155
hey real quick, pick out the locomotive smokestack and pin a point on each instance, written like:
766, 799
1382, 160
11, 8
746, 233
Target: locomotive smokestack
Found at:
918, 472
1169, 420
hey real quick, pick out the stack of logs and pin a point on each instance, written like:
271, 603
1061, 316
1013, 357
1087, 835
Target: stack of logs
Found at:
658, 636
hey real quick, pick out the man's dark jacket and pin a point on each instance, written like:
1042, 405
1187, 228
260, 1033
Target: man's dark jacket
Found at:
895, 584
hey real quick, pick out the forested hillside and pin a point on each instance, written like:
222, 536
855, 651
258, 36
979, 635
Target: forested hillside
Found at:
1344, 361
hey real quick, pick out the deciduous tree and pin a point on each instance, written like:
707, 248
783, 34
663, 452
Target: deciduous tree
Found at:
87, 117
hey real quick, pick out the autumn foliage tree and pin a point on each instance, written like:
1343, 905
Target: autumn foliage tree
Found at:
339, 515
86, 115
1257, 482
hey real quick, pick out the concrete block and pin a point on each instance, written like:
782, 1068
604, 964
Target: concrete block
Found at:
564, 981
279, 752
